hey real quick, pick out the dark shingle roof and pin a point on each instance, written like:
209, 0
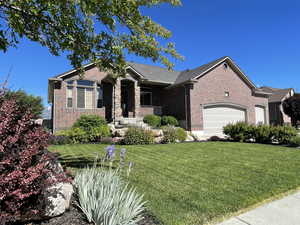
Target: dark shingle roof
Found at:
155, 73
190, 74
277, 94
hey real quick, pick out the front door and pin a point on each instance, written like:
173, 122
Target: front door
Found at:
124, 100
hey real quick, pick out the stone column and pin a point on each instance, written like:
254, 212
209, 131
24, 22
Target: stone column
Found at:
117, 99
137, 102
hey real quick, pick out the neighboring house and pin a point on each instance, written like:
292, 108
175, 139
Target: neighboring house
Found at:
276, 114
203, 99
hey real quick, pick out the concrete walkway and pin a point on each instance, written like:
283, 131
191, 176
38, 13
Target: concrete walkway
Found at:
285, 211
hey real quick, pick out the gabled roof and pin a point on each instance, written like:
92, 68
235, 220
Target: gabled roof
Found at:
191, 74
155, 73
161, 75
277, 94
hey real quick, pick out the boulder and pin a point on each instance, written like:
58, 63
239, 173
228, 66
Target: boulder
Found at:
189, 138
157, 132
158, 140
120, 132
57, 199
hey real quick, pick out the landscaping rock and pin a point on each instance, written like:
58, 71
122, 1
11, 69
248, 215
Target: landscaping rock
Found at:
57, 198
112, 128
189, 138
158, 140
157, 132
120, 132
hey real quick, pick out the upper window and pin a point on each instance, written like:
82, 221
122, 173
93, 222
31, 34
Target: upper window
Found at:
69, 97
85, 83
146, 96
70, 82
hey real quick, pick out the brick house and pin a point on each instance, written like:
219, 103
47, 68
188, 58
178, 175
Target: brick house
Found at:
277, 96
203, 99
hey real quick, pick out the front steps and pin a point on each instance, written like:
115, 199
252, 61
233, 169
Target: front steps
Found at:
123, 122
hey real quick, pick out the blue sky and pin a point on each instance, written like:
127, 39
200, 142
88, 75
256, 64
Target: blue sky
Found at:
262, 37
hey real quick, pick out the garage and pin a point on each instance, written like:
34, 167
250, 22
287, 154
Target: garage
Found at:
260, 115
216, 117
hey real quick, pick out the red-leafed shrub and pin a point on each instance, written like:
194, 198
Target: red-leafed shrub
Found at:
25, 164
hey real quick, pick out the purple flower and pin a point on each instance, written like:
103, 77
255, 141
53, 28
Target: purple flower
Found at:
110, 151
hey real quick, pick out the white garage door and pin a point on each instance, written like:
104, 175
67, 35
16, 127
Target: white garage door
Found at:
260, 115
215, 118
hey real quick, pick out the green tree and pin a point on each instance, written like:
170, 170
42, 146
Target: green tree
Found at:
100, 31
291, 107
26, 101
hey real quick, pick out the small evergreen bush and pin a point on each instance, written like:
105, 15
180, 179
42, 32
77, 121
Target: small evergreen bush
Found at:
263, 134
152, 120
181, 134
88, 128
138, 136
76, 135
239, 131
283, 134
88, 122
169, 120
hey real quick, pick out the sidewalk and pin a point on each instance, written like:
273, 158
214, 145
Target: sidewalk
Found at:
285, 211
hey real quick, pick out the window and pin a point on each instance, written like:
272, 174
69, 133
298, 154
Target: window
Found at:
85, 83
69, 97
99, 98
85, 98
226, 94
70, 82
146, 97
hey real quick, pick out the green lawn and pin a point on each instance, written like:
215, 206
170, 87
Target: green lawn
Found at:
194, 183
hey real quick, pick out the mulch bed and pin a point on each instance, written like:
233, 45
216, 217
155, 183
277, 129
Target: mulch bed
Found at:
75, 217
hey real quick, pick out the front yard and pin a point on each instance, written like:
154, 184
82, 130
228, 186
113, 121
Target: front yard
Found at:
194, 183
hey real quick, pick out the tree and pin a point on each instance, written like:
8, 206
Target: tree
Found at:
27, 102
101, 31
291, 107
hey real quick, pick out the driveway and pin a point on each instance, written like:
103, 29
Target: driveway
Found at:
285, 211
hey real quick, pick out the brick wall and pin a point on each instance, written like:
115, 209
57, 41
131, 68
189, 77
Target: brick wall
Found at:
211, 89
64, 117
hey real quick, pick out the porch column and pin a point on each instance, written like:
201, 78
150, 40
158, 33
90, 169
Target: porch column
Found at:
117, 99
137, 95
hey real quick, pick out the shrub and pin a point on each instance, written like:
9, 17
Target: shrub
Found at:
152, 120
105, 199
181, 134
294, 141
170, 135
88, 122
138, 136
169, 120
75, 135
59, 140
283, 134
239, 131
24, 160
263, 134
